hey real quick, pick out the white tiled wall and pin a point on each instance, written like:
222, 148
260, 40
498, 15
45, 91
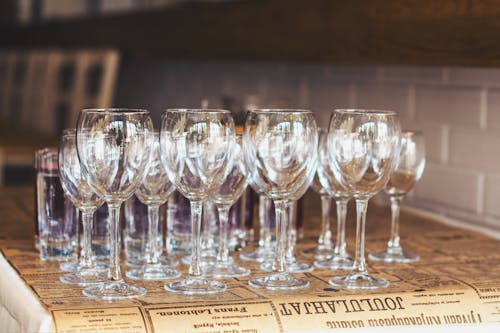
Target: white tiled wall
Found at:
457, 108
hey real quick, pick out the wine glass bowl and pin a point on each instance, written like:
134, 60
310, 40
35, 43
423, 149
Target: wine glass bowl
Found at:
114, 149
363, 147
408, 171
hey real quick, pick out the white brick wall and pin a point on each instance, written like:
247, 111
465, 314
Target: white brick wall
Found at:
458, 110
450, 105
454, 187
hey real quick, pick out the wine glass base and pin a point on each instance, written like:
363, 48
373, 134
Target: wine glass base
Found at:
74, 266
358, 281
85, 277
196, 286
291, 267
398, 257
225, 270
110, 291
153, 273
166, 261
318, 253
260, 254
335, 262
278, 281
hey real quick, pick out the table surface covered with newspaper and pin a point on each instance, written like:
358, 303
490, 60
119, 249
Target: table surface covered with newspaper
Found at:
457, 281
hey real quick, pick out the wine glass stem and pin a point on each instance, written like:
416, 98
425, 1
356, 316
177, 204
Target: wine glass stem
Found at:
262, 219
281, 228
395, 207
114, 220
325, 237
291, 231
266, 224
359, 260
223, 254
153, 217
86, 260
208, 225
169, 228
340, 246
196, 210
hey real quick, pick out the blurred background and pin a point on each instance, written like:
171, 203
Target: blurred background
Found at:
433, 61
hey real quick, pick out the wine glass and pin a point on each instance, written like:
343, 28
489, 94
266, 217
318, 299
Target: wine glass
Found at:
330, 187
114, 148
154, 191
86, 201
292, 265
196, 148
363, 146
263, 251
224, 196
324, 249
408, 172
280, 148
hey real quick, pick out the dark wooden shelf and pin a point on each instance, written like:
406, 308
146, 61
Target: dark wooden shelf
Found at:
409, 32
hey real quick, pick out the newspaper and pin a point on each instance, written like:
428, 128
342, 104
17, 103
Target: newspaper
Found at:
455, 282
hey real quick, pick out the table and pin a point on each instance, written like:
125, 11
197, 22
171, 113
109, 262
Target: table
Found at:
456, 282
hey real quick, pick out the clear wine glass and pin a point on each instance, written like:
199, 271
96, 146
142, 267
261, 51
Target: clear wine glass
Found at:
86, 201
363, 146
280, 149
197, 147
338, 259
408, 172
154, 191
292, 264
263, 251
114, 148
224, 196
324, 249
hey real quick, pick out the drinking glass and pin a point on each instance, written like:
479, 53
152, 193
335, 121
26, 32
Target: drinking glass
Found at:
331, 188
56, 215
324, 249
87, 202
196, 148
224, 196
135, 233
263, 251
280, 148
208, 236
292, 265
178, 233
114, 150
363, 146
408, 172
154, 191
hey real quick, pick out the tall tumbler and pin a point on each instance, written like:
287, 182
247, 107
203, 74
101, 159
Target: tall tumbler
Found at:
56, 215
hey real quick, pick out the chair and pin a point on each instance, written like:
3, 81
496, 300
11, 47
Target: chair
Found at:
42, 92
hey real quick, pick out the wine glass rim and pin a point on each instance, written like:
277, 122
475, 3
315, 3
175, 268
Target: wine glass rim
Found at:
367, 111
280, 110
187, 110
116, 110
